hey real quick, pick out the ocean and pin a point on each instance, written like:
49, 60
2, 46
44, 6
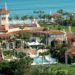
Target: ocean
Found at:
27, 7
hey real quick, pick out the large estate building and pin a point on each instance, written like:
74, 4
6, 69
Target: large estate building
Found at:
4, 14
6, 30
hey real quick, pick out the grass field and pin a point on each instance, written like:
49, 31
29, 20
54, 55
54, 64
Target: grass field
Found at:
69, 68
56, 67
59, 27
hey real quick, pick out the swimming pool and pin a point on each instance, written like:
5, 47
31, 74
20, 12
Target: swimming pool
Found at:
39, 60
42, 60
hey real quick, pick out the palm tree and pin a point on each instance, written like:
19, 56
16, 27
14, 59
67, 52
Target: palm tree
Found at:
61, 11
31, 17
69, 18
44, 37
24, 17
39, 13
24, 36
17, 17
72, 18
10, 18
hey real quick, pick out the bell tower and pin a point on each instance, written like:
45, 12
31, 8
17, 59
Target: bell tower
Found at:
4, 15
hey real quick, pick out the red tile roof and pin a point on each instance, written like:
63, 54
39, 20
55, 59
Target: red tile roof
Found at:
3, 11
12, 33
31, 52
55, 32
4, 35
2, 28
13, 26
70, 36
56, 15
71, 51
28, 29
25, 25
37, 30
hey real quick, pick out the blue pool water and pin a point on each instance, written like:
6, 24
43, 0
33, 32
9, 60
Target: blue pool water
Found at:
39, 60
42, 60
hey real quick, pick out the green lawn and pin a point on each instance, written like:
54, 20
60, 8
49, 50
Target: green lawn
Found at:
58, 27
70, 69
8, 54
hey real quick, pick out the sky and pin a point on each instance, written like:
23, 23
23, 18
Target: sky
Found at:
26, 7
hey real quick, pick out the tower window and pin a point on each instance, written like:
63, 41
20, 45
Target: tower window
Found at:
3, 18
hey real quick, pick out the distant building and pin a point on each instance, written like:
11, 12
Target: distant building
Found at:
4, 22
4, 14
6, 30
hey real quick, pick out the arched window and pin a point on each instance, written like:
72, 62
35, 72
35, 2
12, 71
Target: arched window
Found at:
3, 18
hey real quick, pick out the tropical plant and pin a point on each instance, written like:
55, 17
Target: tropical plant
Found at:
24, 37
10, 18
16, 67
24, 17
61, 11
39, 13
20, 55
58, 50
16, 17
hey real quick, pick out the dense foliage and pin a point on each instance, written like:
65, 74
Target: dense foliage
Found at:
22, 67
16, 67
58, 50
58, 69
